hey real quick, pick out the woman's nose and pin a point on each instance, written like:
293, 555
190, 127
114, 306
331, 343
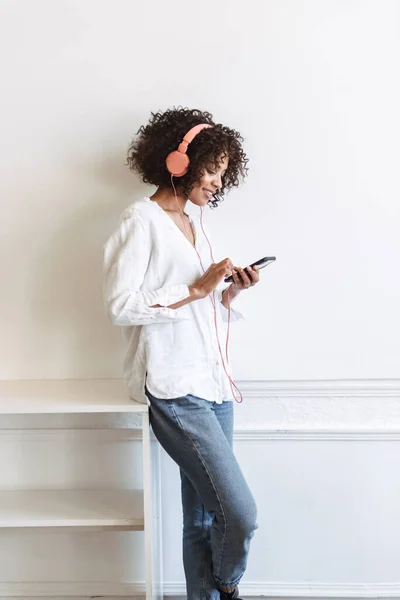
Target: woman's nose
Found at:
217, 181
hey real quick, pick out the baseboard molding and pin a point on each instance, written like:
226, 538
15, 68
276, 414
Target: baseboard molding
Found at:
109, 590
303, 590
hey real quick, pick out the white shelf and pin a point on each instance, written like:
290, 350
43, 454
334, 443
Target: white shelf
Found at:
121, 510
50, 396
104, 509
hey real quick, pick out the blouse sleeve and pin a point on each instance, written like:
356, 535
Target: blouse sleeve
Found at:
235, 314
126, 256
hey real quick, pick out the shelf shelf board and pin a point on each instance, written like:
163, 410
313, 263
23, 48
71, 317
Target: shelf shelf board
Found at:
55, 396
100, 509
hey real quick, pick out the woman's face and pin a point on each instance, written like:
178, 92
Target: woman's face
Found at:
209, 183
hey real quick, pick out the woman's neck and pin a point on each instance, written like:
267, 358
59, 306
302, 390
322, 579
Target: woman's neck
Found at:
165, 197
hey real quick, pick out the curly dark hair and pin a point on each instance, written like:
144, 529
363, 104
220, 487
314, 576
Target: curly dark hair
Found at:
163, 133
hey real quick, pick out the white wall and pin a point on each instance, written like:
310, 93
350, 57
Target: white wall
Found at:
314, 88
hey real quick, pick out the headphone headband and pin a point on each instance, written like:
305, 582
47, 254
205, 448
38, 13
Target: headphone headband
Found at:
191, 134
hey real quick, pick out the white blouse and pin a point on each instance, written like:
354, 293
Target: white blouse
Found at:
147, 261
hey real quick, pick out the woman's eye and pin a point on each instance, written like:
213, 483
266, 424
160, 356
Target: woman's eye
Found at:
211, 172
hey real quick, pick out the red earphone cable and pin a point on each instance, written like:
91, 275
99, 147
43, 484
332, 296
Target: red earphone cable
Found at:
212, 298
232, 383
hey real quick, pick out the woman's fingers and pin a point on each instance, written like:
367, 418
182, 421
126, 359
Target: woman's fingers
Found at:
254, 274
225, 266
248, 277
245, 278
236, 279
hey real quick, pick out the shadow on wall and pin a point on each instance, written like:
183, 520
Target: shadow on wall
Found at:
65, 288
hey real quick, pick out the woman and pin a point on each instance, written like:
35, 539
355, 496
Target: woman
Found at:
163, 286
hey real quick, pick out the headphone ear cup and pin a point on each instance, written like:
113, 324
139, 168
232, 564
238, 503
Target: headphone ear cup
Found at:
177, 163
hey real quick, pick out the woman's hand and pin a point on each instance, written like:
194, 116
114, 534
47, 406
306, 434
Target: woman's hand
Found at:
244, 281
211, 278
239, 284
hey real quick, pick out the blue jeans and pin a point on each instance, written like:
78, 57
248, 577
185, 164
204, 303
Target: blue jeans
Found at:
219, 511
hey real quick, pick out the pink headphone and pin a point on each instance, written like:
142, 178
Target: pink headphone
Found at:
178, 161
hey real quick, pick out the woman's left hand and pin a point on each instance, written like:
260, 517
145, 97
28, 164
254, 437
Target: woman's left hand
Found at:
244, 281
239, 284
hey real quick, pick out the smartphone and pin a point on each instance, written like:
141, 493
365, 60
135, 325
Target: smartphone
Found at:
263, 262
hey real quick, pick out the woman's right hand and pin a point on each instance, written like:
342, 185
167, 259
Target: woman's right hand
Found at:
211, 278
